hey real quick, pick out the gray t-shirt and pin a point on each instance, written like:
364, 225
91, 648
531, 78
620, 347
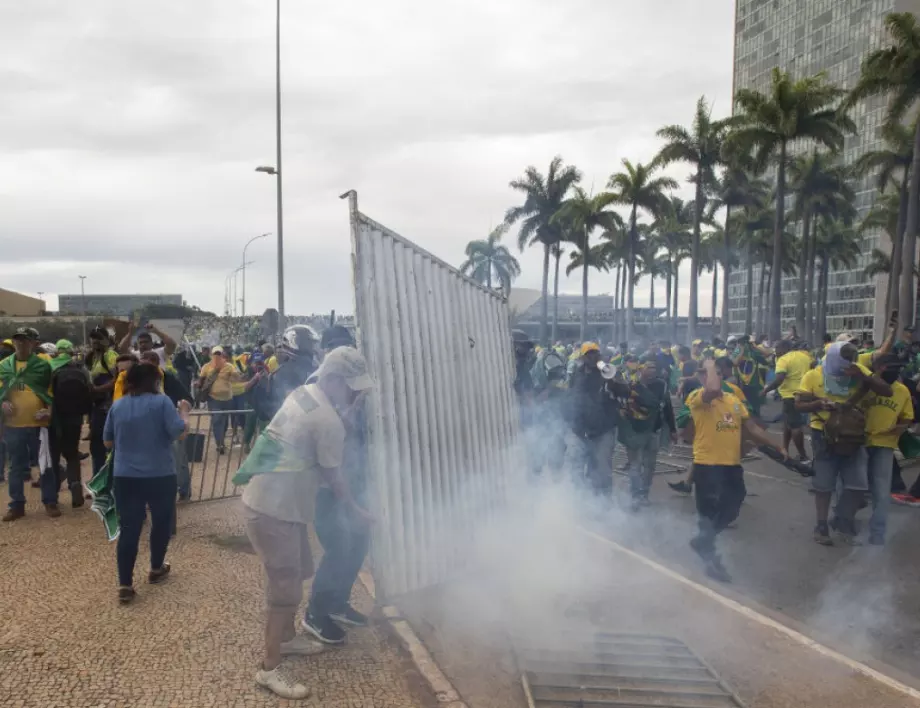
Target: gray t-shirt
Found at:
305, 435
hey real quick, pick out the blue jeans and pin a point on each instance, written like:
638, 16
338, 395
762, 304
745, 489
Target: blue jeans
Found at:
641, 456
345, 541
19, 443
2, 457
183, 473
880, 464
219, 421
133, 495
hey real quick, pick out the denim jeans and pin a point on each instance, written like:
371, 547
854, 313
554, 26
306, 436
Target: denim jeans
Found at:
880, 460
219, 421
720, 491
183, 473
19, 445
345, 541
591, 460
641, 456
2, 456
132, 497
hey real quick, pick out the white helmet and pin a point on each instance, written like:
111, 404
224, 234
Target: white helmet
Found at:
300, 341
48, 348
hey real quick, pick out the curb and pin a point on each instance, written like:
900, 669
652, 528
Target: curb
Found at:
428, 668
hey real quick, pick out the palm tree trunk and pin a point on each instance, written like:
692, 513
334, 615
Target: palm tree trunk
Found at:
667, 297
651, 305
800, 307
749, 307
715, 296
623, 299
909, 253
726, 271
544, 305
676, 283
822, 293
811, 331
760, 299
695, 257
558, 256
616, 304
897, 248
631, 290
775, 324
584, 288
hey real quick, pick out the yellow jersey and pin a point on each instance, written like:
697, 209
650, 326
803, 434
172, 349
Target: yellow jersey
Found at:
794, 365
813, 383
717, 428
885, 412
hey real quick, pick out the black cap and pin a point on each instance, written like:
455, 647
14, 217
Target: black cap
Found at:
99, 333
29, 333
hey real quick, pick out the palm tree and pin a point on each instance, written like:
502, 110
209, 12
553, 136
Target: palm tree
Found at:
636, 187
674, 227
579, 216
894, 71
838, 248
792, 110
615, 245
820, 185
755, 228
650, 264
736, 189
701, 148
543, 196
890, 165
713, 256
487, 257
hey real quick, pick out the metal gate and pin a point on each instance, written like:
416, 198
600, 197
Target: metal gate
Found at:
442, 420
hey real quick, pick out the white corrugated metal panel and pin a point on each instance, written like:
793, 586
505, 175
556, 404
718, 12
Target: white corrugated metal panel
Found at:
442, 419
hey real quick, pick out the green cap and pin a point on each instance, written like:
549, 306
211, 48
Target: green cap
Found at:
64, 345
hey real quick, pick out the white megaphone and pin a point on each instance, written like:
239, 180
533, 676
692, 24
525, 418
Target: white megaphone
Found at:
608, 371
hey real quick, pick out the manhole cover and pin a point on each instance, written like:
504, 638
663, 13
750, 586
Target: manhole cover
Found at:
626, 670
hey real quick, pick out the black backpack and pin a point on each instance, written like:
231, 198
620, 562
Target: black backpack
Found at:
73, 394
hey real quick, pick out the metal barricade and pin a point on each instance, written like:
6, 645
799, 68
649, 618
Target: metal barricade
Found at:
212, 464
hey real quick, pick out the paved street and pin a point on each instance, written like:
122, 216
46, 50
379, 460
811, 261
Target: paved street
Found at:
192, 642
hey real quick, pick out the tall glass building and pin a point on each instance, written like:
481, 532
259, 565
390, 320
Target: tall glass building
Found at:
805, 37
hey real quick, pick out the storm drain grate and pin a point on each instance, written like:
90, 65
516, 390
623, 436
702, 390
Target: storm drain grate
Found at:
661, 467
625, 670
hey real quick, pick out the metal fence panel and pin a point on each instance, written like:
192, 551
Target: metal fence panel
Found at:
211, 472
442, 418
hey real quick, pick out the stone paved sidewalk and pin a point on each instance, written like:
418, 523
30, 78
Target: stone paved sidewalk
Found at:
192, 642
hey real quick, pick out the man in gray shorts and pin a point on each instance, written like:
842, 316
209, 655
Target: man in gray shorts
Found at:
838, 381
301, 448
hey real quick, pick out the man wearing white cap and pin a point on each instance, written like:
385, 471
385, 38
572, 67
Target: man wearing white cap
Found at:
301, 449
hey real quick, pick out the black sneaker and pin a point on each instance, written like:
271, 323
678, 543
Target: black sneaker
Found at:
350, 616
716, 571
324, 629
823, 534
681, 487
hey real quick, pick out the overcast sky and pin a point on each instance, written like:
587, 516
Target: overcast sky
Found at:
130, 130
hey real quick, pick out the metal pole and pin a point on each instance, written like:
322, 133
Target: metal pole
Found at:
254, 238
278, 161
83, 306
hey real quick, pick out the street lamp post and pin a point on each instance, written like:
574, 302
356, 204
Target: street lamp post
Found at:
276, 170
83, 306
42, 301
254, 238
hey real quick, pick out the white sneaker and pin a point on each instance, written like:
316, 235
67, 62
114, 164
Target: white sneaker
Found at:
301, 646
281, 684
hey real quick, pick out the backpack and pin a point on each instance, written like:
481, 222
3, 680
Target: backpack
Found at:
73, 394
845, 430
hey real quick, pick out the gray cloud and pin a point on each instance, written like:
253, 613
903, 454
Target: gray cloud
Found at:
130, 131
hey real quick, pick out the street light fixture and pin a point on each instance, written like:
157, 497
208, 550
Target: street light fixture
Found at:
83, 306
254, 238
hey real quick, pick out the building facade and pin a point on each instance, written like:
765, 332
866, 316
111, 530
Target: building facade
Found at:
805, 37
15, 304
113, 305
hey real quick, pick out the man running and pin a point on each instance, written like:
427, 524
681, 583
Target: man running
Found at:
791, 366
719, 419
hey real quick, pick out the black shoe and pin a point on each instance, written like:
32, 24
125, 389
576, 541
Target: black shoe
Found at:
324, 629
76, 497
716, 571
681, 487
221, 450
349, 616
823, 534
696, 543
84, 456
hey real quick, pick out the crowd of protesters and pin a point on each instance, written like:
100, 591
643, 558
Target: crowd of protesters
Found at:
856, 401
